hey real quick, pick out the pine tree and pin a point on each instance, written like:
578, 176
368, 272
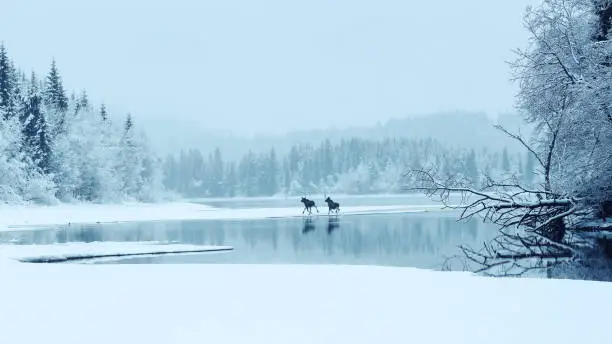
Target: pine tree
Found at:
326, 158
505, 161
272, 173
230, 180
84, 100
216, 173
54, 94
35, 130
8, 86
56, 101
471, 169
81, 103
103, 113
287, 176
130, 160
170, 169
128, 126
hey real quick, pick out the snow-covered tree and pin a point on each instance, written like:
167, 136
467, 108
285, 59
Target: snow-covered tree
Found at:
57, 147
36, 141
130, 159
505, 161
20, 179
103, 113
8, 86
565, 79
55, 99
216, 173
471, 168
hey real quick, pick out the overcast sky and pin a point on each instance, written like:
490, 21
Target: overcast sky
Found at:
274, 65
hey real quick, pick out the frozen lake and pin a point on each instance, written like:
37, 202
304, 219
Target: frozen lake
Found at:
399, 239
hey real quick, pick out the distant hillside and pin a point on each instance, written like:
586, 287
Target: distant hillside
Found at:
453, 129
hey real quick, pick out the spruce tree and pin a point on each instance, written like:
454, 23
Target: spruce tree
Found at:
54, 93
129, 124
103, 113
230, 180
528, 174
471, 169
8, 86
56, 100
130, 159
272, 173
216, 173
505, 161
34, 126
81, 103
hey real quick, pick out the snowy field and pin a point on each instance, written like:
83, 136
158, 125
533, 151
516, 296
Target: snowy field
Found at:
102, 304
31, 216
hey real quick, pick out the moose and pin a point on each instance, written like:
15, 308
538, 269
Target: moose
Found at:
333, 206
308, 204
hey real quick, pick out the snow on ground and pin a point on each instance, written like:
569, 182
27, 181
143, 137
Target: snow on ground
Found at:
30, 216
102, 304
81, 250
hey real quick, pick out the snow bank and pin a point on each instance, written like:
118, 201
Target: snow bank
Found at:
271, 304
81, 250
15, 217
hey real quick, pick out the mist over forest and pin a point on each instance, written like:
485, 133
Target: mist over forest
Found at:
457, 129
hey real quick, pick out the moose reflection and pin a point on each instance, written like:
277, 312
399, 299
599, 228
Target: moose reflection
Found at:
308, 225
332, 224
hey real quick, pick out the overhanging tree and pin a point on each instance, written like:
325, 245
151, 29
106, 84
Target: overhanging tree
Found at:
564, 79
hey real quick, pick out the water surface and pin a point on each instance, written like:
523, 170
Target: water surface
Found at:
406, 239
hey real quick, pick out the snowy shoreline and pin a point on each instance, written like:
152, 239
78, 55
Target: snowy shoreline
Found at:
21, 217
95, 251
289, 304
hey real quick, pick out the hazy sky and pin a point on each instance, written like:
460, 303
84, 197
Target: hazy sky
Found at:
274, 65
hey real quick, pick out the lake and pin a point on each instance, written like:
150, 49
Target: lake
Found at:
420, 240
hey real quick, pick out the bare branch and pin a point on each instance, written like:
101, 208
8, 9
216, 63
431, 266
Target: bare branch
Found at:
520, 139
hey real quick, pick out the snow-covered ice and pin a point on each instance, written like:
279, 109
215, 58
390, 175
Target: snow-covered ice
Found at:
81, 250
31, 216
72, 303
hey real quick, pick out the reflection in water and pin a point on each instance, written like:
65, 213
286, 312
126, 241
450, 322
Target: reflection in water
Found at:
308, 225
333, 222
416, 239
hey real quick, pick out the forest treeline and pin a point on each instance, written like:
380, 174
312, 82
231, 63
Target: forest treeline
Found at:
56, 145
353, 166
